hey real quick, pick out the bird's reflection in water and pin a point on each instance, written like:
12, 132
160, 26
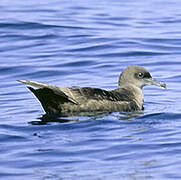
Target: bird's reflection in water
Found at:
46, 118
84, 116
129, 115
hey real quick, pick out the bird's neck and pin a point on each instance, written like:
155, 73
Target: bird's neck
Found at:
136, 93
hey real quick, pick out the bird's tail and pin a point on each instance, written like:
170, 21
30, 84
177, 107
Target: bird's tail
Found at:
33, 83
51, 97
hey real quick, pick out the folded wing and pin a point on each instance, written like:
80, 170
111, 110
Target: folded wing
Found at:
75, 99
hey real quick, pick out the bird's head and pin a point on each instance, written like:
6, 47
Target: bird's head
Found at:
138, 76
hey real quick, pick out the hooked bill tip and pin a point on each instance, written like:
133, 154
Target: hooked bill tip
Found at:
163, 85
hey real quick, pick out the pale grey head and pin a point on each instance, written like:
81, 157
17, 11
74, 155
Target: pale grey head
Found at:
138, 76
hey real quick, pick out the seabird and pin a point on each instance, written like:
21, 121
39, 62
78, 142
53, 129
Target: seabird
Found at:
127, 97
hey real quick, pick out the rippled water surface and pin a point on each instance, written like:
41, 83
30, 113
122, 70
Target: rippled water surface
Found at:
88, 43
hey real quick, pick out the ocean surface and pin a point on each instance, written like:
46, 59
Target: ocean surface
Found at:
89, 43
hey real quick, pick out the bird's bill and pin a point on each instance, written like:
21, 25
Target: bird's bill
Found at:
151, 81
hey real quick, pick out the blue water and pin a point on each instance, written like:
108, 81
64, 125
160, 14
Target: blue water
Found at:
88, 43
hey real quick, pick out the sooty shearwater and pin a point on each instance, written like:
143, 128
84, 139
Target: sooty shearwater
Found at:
127, 97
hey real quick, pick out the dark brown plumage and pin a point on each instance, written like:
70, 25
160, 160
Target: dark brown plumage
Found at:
127, 97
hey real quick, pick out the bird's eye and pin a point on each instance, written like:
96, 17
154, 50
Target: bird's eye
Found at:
140, 75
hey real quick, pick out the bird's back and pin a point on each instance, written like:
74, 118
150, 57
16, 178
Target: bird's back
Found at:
76, 99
